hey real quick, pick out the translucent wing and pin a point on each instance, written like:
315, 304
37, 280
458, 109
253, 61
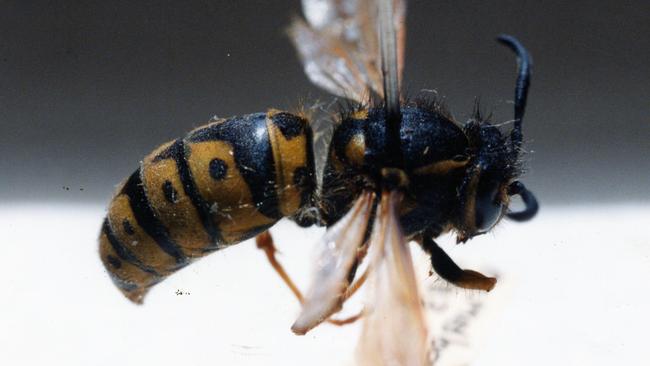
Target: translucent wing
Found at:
339, 45
388, 49
337, 253
394, 330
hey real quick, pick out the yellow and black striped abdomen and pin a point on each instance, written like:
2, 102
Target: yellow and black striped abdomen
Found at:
223, 183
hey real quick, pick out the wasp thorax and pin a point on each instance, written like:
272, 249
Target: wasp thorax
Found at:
432, 154
430, 142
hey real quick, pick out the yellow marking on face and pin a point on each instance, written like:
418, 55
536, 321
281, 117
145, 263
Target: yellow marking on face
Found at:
233, 207
179, 217
470, 203
361, 114
126, 271
139, 242
336, 162
355, 150
441, 167
288, 155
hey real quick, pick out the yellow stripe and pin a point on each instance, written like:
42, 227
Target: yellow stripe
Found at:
288, 155
180, 217
233, 208
140, 243
126, 272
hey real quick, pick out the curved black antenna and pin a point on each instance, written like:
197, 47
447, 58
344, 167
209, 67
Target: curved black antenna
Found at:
388, 49
518, 188
524, 64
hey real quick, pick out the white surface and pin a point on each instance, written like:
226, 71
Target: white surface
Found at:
573, 291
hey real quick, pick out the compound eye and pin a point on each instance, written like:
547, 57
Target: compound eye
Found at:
488, 207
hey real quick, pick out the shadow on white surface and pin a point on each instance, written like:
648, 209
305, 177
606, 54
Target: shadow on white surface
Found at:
572, 291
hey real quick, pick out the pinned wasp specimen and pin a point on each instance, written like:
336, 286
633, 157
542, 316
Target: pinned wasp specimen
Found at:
395, 171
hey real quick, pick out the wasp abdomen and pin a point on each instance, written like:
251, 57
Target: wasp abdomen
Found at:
223, 183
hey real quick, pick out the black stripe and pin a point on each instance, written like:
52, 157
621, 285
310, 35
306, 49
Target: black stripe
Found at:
147, 220
290, 125
123, 284
123, 252
177, 152
253, 155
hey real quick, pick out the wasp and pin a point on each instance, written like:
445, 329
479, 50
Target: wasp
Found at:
395, 171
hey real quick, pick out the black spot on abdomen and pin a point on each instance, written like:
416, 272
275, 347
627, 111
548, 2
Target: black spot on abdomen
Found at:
218, 169
116, 263
290, 125
122, 251
128, 228
148, 221
171, 195
177, 152
253, 157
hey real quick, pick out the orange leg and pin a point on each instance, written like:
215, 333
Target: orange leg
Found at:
355, 286
265, 242
346, 321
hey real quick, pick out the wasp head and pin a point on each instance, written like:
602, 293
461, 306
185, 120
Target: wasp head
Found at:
490, 176
491, 168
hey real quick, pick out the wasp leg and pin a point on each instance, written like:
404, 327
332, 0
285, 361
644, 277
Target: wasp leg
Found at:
445, 267
351, 290
265, 242
346, 321
355, 286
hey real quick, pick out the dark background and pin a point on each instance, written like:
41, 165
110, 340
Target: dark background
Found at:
88, 88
